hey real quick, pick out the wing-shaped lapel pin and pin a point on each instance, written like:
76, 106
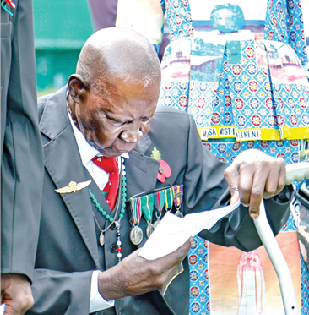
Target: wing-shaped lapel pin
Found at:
73, 187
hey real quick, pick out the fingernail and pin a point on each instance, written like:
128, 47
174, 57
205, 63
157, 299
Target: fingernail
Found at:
254, 213
233, 200
234, 197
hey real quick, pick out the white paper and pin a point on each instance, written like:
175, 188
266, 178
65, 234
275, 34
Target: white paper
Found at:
2, 308
173, 232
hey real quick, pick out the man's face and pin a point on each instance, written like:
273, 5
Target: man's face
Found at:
114, 120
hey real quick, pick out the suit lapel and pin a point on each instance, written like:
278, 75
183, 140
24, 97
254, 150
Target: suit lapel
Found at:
141, 170
63, 163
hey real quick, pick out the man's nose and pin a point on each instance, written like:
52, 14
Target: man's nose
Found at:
131, 134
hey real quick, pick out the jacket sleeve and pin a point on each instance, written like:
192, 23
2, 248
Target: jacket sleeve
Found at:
205, 188
57, 292
22, 162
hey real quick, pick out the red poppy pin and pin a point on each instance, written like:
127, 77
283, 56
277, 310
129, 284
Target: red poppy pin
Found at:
164, 169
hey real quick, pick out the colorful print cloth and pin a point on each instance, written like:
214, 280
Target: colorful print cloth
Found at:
246, 90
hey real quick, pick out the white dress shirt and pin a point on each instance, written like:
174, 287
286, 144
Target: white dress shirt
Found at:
87, 153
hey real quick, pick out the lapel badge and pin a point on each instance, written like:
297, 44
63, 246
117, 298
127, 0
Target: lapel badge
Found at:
164, 168
73, 187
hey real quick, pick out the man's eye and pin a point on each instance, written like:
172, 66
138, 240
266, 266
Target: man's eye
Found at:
145, 119
114, 121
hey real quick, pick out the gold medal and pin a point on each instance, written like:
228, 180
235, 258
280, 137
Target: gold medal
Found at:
136, 235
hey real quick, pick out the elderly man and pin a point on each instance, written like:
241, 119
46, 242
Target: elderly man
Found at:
107, 149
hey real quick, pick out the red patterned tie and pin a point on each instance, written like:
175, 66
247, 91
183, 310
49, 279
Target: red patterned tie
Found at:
110, 166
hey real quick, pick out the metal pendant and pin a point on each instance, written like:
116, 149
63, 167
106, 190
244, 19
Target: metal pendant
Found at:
156, 223
150, 229
102, 239
136, 235
178, 213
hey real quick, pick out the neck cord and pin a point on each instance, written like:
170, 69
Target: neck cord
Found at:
112, 220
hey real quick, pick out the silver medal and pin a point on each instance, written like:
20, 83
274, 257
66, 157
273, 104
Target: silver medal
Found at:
178, 213
150, 229
156, 223
136, 235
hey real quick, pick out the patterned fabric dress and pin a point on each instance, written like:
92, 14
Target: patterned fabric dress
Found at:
245, 90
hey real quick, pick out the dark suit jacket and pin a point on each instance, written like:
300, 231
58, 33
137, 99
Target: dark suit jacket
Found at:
20, 143
68, 247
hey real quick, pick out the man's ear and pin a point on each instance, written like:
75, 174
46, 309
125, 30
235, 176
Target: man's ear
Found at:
77, 88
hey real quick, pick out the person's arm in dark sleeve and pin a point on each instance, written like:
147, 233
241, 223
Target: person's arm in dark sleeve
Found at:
58, 292
237, 228
22, 165
205, 188
22, 162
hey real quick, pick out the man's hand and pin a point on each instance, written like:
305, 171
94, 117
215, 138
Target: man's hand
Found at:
16, 294
253, 176
136, 275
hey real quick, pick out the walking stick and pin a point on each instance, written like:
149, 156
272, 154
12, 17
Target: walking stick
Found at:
293, 172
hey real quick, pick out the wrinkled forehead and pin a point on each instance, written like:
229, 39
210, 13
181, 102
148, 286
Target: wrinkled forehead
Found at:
129, 87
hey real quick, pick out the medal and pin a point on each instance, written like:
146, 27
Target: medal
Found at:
150, 229
159, 204
178, 192
146, 205
178, 213
158, 215
156, 223
136, 235
147, 209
